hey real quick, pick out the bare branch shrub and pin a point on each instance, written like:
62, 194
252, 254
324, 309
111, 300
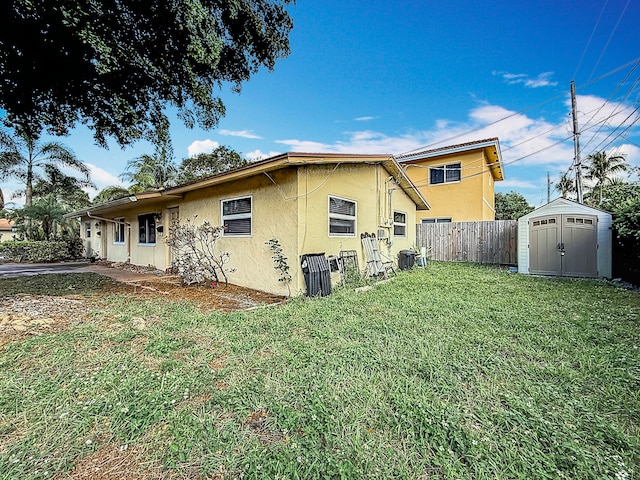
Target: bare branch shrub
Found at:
193, 249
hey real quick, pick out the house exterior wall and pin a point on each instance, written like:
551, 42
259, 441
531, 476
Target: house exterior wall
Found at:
366, 185
470, 199
561, 206
274, 215
290, 204
6, 235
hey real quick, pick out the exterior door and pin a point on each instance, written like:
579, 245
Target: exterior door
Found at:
580, 239
564, 245
544, 241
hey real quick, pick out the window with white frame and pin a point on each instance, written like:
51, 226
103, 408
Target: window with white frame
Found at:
237, 217
118, 231
399, 224
436, 220
87, 229
147, 229
444, 174
342, 217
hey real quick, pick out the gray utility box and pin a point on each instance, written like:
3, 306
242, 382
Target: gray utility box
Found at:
317, 274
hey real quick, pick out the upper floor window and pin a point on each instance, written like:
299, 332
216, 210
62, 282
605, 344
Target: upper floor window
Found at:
87, 229
118, 231
399, 224
436, 220
444, 174
342, 217
147, 229
236, 217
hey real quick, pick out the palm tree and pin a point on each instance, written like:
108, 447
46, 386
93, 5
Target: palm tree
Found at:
48, 212
152, 172
602, 169
21, 155
112, 192
66, 190
565, 185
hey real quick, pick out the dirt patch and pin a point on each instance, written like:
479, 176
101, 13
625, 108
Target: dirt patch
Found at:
23, 315
113, 461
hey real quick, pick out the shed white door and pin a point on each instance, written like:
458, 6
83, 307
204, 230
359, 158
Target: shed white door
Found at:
563, 245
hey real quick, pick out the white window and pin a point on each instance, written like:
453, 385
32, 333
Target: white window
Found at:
399, 224
87, 229
342, 217
236, 217
444, 174
118, 231
147, 229
436, 220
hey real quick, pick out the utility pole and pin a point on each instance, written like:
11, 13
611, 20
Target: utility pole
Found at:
576, 143
548, 188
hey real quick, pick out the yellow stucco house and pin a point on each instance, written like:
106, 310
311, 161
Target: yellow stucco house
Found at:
311, 203
458, 180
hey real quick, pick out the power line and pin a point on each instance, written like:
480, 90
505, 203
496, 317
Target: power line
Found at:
586, 47
609, 39
591, 82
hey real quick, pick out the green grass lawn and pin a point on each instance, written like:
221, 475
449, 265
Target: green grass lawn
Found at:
451, 372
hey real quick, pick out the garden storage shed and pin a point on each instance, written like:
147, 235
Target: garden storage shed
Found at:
565, 238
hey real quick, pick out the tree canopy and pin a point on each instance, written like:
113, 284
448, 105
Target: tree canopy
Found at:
116, 66
152, 172
21, 156
511, 206
206, 164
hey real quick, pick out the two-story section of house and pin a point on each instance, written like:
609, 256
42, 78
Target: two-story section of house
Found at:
458, 180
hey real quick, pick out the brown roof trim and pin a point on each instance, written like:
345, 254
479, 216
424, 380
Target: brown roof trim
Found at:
461, 146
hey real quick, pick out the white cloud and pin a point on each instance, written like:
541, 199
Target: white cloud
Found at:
239, 133
260, 155
364, 119
202, 146
102, 179
542, 80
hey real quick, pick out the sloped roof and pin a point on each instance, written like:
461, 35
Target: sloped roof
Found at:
491, 146
5, 224
265, 166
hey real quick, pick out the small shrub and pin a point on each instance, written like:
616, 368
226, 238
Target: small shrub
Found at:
280, 261
195, 258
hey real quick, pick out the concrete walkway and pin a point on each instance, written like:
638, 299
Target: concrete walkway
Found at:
13, 270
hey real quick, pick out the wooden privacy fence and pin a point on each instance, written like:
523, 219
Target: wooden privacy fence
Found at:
479, 242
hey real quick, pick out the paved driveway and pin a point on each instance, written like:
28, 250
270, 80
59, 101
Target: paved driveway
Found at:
10, 270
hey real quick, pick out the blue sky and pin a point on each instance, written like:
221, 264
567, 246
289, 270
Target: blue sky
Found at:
394, 76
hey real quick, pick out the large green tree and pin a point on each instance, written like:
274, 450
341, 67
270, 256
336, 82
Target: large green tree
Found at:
109, 193
602, 168
116, 65
152, 172
206, 164
66, 190
22, 155
511, 206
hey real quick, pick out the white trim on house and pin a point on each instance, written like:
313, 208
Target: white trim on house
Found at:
342, 217
237, 216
